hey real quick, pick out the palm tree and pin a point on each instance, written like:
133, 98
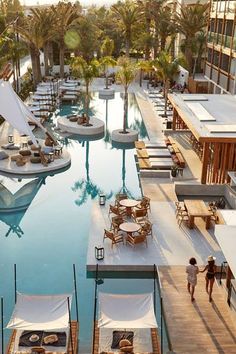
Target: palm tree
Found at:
105, 62
127, 15
107, 47
166, 27
191, 20
87, 71
145, 66
145, 10
165, 69
126, 75
66, 14
48, 22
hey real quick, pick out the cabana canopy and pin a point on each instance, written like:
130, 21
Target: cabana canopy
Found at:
15, 112
126, 311
40, 312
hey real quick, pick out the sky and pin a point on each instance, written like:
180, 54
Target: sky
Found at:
83, 2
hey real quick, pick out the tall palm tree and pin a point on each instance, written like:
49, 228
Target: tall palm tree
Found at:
87, 71
145, 66
107, 47
191, 20
127, 15
106, 62
145, 10
66, 14
165, 68
126, 75
48, 22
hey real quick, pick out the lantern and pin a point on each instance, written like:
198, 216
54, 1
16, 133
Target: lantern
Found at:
51, 156
10, 139
102, 199
99, 253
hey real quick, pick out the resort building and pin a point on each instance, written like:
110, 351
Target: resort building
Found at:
220, 67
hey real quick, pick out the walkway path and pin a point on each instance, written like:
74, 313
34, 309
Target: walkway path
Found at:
200, 327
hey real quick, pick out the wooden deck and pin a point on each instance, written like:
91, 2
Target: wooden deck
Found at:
75, 331
155, 342
200, 327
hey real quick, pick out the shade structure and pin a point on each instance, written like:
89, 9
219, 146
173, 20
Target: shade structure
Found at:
40, 312
14, 111
126, 311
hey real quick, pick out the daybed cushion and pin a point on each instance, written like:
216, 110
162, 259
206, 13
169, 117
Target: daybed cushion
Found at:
20, 162
35, 159
124, 343
25, 152
16, 157
128, 349
119, 335
47, 149
11, 146
3, 155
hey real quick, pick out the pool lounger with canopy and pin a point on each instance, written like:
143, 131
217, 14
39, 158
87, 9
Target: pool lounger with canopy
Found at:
46, 315
134, 313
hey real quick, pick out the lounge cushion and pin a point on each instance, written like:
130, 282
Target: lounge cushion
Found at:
47, 149
128, 349
34, 148
35, 159
25, 152
16, 157
11, 146
3, 155
20, 162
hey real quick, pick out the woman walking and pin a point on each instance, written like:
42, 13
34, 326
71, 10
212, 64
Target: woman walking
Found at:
192, 271
210, 275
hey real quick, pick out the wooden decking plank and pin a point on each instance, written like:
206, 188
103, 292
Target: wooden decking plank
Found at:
198, 327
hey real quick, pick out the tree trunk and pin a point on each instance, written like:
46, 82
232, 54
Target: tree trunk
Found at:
147, 46
87, 103
46, 58
50, 54
106, 71
189, 57
61, 54
156, 41
163, 43
125, 111
141, 78
35, 59
165, 95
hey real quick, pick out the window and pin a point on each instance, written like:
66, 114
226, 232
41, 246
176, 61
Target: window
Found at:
233, 67
216, 58
224, 62
209, 55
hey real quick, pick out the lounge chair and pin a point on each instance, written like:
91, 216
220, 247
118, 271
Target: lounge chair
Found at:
115, 223
144, 203
114, 237
119, 197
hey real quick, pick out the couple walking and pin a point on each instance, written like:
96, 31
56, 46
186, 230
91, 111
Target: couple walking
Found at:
192, 270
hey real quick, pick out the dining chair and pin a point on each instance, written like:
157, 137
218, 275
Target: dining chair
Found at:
115, 223
147, 227
141, 237
113, 236
182, 216
180, 207
116, 210
144, 203
139, 215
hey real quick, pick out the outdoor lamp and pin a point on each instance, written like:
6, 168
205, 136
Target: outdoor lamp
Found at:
99, 253
10, 139
102, 199
51, 156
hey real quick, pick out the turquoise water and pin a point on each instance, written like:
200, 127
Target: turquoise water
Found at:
51, 232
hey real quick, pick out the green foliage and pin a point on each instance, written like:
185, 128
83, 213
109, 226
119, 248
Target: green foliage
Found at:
127, 71
26, 85
107, 47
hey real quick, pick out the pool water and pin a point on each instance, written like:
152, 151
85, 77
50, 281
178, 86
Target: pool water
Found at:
51, 232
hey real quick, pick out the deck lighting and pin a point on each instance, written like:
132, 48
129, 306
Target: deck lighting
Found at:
99, 253
10, 139
102, 199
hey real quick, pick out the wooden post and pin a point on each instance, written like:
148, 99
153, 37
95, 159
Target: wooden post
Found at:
174, 118
71, 337
95, 307
205, 162
76, 295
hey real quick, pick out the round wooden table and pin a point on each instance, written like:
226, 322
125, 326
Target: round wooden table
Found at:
129, 227
129, 204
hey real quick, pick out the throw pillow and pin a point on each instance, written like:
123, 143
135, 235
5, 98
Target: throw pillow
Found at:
3, 155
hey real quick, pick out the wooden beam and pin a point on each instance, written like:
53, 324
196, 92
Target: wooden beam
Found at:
206, 153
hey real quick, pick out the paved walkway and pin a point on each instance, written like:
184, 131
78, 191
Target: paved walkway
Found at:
200, 327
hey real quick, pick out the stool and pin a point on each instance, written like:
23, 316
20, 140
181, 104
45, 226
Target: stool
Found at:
180, 171
58, 150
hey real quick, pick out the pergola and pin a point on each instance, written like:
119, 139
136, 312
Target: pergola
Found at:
212, 122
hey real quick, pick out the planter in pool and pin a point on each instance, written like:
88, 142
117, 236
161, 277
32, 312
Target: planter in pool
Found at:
95, 127
119, 137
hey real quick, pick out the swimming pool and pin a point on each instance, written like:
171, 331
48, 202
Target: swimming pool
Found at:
51, 232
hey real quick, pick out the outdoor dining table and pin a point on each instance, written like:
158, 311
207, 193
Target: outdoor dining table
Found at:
129, 204
197, 208
129, 227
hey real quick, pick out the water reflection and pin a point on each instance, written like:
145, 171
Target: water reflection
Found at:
13, 206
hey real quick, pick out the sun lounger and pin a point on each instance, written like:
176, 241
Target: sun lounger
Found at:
161, 163
151, 153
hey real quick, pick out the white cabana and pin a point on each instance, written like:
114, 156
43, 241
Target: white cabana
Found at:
15, 112
40, 312
126, 311
225, 235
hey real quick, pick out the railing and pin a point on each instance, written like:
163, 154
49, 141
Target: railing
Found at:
163, 333
230, 286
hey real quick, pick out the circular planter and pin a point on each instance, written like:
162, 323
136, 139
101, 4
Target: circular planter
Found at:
96, 127
119, 137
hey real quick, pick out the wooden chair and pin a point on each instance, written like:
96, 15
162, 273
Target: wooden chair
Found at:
37, 350
116, 210
114, 237
115, 223
182, 216
119, 197
141, 237
139, 215
180, 207
147, 228
144, 203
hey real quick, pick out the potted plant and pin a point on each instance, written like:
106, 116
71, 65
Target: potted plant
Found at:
174, 170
